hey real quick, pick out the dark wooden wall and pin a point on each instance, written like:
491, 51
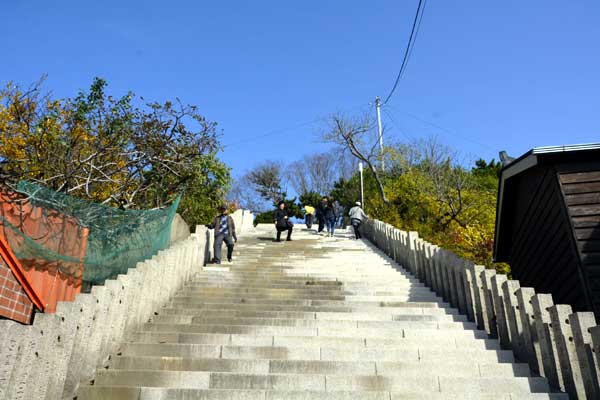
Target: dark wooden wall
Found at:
581, 189
543, 253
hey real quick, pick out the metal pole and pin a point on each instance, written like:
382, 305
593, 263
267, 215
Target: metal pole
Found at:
362, 193
380, 130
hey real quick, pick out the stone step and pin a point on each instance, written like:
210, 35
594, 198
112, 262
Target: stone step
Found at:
298, 274
348, 301
261, 286
303, 284
395, 307
361, 368
309, 323
147, 393
382, 314
456, 385
239, 294
300, 277
305, 264
329, 383
403, 329
394, 354
300, 284
306, 291
356, 343
301, 293
407, 314
312, 341
362, 329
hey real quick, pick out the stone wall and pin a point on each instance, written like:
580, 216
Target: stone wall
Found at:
49, 359
179, 229
558, 344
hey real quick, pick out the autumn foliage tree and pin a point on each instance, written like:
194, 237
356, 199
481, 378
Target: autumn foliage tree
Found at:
431, 191
107, 149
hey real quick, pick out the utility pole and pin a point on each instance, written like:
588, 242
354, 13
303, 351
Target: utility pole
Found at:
362, 192
380, 130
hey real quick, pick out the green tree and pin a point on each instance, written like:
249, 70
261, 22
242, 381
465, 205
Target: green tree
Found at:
206, 191
310, 198
487, 174
266, 179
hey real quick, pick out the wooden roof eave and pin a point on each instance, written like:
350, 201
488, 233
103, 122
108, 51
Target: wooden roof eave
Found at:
521, 164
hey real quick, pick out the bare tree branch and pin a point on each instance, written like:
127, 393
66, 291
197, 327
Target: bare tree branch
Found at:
352, 134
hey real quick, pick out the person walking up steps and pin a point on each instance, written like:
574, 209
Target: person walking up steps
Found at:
224, 232
330, 218
282, 222
310, 211
339, 214
357, 217
320, 213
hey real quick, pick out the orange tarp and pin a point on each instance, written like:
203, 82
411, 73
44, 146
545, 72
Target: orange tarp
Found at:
50, 248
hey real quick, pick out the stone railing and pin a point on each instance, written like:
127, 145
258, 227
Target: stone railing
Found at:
50, 358
243, 219
558, 344
180, 230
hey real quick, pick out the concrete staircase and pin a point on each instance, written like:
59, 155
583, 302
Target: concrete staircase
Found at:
315, 318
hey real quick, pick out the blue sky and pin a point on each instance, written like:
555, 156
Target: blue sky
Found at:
484, 76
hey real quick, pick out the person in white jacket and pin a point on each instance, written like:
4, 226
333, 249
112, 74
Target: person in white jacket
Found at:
357, 217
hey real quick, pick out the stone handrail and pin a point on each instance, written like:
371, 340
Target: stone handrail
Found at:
243, 219
558, 344
52, 357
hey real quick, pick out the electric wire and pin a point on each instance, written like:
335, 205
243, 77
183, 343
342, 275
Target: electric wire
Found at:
253, 138
397, 126
441, 128
416, 35
408, 50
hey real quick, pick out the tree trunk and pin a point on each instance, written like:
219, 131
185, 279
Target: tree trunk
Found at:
379, 183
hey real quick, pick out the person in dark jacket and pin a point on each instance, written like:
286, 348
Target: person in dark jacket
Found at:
339, 214
330, 217
224, 232
282, 222
320, 213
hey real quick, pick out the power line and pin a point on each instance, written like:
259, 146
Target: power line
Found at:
254, 138
274, 132
441, 128
416, 34
408, 50
389, 114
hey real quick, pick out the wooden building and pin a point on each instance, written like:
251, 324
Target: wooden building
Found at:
548, 223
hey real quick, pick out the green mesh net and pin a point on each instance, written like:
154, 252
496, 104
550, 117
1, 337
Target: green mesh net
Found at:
81, 239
